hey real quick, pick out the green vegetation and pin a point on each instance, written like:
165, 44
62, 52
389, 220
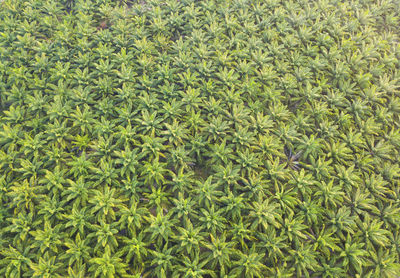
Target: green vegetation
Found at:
215, 138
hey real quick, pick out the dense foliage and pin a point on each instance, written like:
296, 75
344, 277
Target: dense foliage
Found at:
167, 138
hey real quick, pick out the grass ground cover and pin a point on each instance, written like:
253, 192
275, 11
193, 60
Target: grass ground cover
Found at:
212, 138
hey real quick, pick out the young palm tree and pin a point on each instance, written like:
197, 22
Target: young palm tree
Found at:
78, 251
211, 219
80, 165
105, 174
189, 239
24, 195
161, 228
132, 217
304, 260
249, 264
163, 260
106, 236
264, 213
15, 261
154, 172
48, 238
105, 202
135, 248
46, 266
219, 253
128, 160
192, 267
353, 256
107, 265
54, 181
78, 220
153, 147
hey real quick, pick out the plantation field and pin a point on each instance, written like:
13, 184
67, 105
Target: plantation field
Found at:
183, 138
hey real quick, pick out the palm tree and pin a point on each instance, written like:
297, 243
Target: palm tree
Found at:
83, 119
15, 261
176, 132
182, 181
264, 213
384, 263
326, 242
78, 251
24, 194
132, 216
220, 153
329, 269
79, 219
80, 165
108, 265
149, 124
152, 147
341, 222
189, 238
294, 228
206, 192
372, 232
105, 203
48, 238
154, 172
48, 266
105, 174
128, 160
103, 147
161, 226
163, 260
219, 253
105, 234
216, 129
135, 247
20, 226
192, 267
248, 161
304, 259
51, 208
234, 205
183, 207
242, 233
53, 181
249, 264
30, 169
78, 191
179, 157
353, 255
273, 245
211, 219
59, 133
